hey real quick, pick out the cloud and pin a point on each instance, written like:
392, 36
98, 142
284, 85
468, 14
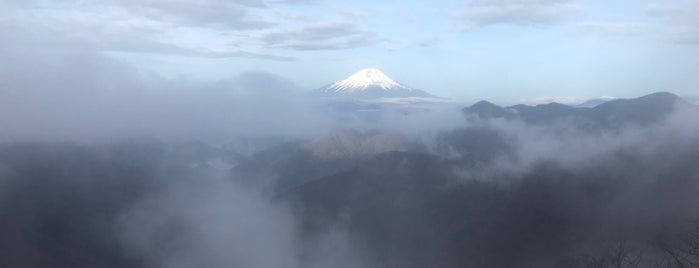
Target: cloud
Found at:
329, 36
482, 13
679, 20
568, 100
211, 223
87, 96
606, 28
148, 204
294, 1
112, 32
667, 9
693, 99
206, 29
233, 54
231, 15
572, 146
430, 42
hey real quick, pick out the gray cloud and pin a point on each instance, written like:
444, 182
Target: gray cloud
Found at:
211, 221
679, 20
294, 1
148, 204
231, 15
114, 33
232, 54
236, 14
666, 9
482, 13
332, 36
607, 28
221, 225
536, 144
86, 96
207, 29
430, 42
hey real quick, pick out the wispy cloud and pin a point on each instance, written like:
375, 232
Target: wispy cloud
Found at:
680, 20
157, 27
235, 14
482, 13
609, 28
329, 36
430, 42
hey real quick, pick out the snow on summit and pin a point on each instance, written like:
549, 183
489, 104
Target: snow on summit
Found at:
366, 78
370, 83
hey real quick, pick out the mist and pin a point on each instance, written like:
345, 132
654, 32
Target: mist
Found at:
105, 166
571, 146
106, 162
87, 96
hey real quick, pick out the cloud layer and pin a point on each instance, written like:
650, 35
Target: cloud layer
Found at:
332, 36
679, 20
482, 13
89, 96
207, 29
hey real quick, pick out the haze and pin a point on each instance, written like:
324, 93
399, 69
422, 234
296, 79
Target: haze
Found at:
313, 133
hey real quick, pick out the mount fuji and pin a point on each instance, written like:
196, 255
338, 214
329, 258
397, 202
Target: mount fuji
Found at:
370, 83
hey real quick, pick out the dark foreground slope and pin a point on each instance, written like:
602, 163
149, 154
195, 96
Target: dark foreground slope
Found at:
485, 195
410, 210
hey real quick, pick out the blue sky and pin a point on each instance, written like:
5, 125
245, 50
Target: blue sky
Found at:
463, 49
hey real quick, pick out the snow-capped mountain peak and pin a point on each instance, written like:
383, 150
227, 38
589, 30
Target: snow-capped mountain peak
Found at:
369, 83
364, 79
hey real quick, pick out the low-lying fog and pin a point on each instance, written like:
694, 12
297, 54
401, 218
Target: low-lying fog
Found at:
105, 166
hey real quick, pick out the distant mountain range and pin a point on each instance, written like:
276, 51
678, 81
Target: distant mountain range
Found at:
594, 102
366, 94
643, 110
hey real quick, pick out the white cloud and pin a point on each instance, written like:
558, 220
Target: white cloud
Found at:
161, 27
328, 36
206, 29
430, 42
567, 100
482, 13
80, 95
608, 28
228, 14
680, 20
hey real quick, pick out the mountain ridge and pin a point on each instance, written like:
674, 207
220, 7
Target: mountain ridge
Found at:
642, 110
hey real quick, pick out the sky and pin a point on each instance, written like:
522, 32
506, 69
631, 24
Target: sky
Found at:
462, 49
